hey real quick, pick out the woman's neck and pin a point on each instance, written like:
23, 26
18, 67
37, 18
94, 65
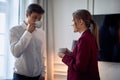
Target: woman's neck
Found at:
83, 29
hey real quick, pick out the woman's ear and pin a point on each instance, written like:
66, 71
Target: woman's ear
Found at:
81, 21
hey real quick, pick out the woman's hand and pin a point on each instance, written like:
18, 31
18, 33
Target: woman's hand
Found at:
61, 55
68, 51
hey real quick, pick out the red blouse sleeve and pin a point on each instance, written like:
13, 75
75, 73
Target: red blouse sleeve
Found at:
80, 58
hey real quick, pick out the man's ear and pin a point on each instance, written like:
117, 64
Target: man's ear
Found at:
27, 14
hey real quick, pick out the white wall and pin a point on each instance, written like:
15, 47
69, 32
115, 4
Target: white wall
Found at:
61, 17
63, 31
106, 6
109, 71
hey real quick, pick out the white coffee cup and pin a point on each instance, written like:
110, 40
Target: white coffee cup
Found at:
38, 24
62, 50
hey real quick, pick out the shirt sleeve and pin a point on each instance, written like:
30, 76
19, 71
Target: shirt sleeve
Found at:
18, 45
81, 58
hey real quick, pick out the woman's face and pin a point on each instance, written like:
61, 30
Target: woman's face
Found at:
76, 25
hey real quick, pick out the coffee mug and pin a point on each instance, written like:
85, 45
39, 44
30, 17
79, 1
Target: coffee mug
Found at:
38, 24
62, 50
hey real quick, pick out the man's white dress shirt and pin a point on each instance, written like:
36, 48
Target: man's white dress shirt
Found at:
29, 50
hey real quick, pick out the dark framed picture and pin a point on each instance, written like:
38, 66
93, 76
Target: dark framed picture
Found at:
109, 36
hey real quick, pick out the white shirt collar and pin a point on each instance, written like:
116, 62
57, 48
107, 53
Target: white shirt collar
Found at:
24, 25
81, 33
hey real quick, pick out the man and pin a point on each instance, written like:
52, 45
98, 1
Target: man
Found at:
27, 44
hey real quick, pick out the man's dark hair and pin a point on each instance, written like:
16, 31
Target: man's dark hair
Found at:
35, 8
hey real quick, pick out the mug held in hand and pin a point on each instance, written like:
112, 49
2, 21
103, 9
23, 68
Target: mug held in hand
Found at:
62, 50
38, 24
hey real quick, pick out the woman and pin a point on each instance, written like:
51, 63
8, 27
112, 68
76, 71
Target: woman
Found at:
83, 61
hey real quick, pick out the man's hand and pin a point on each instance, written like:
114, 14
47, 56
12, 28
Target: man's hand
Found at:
31, 27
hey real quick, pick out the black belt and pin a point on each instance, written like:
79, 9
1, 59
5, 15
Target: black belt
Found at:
22, 77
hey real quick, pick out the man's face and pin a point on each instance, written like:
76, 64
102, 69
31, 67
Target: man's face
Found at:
33, 17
